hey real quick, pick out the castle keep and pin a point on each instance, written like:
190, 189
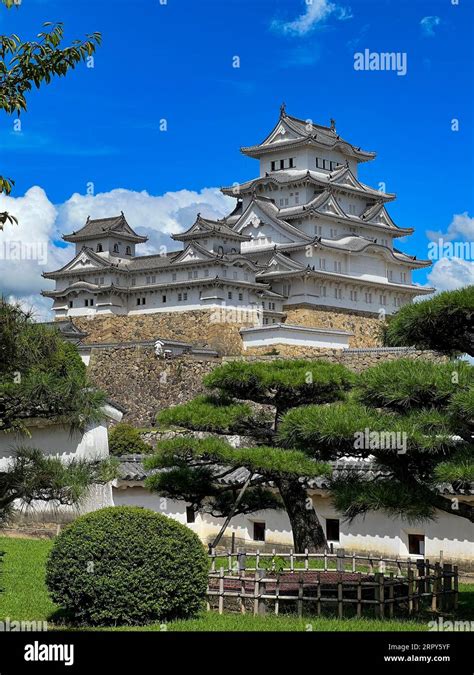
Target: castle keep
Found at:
306, 259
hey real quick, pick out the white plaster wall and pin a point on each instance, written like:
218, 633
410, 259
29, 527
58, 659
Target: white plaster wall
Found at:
374, 533
57, 441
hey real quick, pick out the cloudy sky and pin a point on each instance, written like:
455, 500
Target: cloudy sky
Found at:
154, 125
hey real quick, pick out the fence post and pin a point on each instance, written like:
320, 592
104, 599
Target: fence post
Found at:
300, 594
390, 596
410, 590
447, 586
359, 595
340, 607
379, 593
306, 559
221, 590
318, 594
277, 594
435, 588
259, 604
292, 561
242, 590
340, 560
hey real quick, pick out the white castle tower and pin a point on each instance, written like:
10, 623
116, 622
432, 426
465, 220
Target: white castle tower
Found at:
305, 239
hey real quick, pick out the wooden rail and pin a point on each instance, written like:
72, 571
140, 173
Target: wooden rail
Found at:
313, 580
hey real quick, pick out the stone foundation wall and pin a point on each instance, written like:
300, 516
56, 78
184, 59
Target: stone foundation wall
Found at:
219, 330
144, 384
354, 359
366, 328
135, 378
204, 328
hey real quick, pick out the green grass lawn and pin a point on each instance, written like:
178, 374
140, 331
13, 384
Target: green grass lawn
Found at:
25, 597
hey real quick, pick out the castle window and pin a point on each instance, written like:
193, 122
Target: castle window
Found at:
259, 531
323, 291
190, 514
86, 303
206, 273
390, 275
354, 296
195, 274
91, 302
233, 250
383, 299
282, 163
101, 280
116, 248
281, 202
368, 298
273, 166
185, 296
332, 529
153, 279
71, 304
134, 281
229, 295
297, 197
224, 273
220, 250
333, 232
318, 230
322, 263
180, 297
148, 280
241, 296
416, 544
138, 301
190, 275
128, 251
235, 275
292, 162
143, 301
337, 266
246, 276
99, 248
163, 298
263, 304
173, 276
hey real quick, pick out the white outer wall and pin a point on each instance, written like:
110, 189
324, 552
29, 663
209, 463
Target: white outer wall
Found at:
376, 533
56, 440
302, 338
206, 526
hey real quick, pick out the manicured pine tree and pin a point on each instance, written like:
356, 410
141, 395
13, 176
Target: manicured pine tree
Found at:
203, 471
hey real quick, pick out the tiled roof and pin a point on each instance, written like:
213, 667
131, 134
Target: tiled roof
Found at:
131, 469
102, 226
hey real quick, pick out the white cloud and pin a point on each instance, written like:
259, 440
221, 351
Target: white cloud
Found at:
428, 25
316, 13
29, 248
448, 274
452, 250
461, 227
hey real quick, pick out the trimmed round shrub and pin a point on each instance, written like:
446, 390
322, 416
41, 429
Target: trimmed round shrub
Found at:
127, 565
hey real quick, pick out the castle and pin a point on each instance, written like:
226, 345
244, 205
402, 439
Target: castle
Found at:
306, 242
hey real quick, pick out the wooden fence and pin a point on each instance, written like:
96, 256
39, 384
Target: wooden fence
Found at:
261, 582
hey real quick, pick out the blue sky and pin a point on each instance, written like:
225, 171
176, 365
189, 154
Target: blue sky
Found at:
174, 61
